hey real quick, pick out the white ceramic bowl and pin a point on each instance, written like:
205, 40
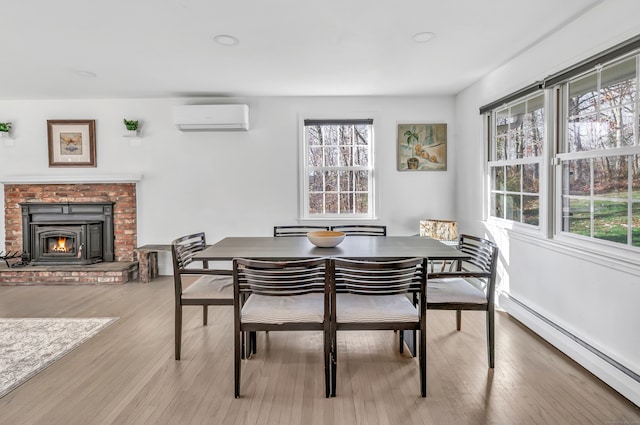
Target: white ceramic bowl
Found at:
325, 238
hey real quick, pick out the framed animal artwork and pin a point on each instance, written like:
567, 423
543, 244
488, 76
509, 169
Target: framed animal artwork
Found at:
72, 143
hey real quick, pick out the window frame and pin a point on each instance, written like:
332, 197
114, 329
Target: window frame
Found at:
542, 161
304, 168
564, 155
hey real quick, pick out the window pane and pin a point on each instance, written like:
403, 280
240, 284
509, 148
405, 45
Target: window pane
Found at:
610, 221
316, 181
362, 180
497, 205
618, 83
345, 132
578, 217
512, 210
346, 159
583, 133
610, 175
577, 177
331, 181
530, 210
316, 202
498, 178
331, 203
362, 203
331, 157
346, 203
346, 181
361, 135
635, 230
530, 178
533, 129
583, 95
315, 157
635, 177
361, 156
617, 128
513, 178
501, 148
330, 135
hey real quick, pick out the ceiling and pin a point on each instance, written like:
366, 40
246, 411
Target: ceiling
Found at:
161, 48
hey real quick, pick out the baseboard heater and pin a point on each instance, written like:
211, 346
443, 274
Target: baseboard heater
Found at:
622, 368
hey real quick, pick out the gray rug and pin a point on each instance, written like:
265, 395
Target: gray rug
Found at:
29, 345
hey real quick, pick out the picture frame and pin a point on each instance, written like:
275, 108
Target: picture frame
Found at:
72, 143
422, 147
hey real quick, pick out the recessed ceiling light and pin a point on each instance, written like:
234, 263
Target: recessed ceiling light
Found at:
86, 74
226, 40
423, 37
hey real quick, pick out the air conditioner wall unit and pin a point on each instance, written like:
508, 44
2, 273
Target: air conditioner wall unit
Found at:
211, 117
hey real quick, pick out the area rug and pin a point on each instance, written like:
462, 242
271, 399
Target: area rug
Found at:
29, 345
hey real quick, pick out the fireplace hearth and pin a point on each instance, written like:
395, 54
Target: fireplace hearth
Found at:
67, 233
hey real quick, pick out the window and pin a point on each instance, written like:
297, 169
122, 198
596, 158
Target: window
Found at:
600, 154
338, 169
516, 152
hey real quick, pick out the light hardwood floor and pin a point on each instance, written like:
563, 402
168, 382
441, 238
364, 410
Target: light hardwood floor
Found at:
127, 374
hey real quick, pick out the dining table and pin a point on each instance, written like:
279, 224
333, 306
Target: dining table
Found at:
352, 247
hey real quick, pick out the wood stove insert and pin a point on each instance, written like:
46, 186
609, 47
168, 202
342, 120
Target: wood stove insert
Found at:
69, 233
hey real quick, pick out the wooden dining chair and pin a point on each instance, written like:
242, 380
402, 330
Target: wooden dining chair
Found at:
279, 231
470, 285
280, 296
361, 229
196, 285
374, 295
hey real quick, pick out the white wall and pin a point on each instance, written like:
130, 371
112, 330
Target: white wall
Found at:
231, 183
595, 301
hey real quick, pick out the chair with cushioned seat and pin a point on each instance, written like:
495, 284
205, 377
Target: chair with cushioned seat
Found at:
374, 295
469, 285
280, 296
196, 286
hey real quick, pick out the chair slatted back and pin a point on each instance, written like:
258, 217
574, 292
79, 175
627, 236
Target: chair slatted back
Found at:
279, 231
185, 248
361, 229
379, 277
280, 278
481, 251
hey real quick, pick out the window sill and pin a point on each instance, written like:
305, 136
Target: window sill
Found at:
616, 258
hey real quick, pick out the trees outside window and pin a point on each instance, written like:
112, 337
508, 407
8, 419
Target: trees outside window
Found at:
338, 169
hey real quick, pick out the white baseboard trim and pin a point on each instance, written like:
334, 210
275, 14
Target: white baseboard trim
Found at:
617, 376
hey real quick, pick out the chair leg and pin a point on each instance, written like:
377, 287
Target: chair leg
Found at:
178, 331
327, 363
238, 336
334, 361
490, 338
205, 316
458, 320
423, 362
401, 339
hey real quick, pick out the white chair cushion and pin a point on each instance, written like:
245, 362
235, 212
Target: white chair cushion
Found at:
453, 290
354, 308
209, 287
283, 309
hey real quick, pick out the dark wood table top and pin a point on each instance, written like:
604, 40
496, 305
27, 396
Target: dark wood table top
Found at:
355, 247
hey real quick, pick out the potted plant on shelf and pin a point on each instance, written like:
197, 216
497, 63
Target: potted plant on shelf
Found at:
132, 127
5, 127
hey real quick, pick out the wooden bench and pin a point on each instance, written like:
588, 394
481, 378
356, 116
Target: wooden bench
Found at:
148, 261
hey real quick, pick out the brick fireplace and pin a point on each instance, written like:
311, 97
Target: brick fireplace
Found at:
122, 197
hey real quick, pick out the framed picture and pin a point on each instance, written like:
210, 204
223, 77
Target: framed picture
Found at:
422, 147
72, 143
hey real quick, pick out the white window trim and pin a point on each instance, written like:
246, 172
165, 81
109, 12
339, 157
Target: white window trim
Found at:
303, 172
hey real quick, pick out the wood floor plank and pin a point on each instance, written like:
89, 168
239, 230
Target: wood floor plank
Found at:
127, 375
